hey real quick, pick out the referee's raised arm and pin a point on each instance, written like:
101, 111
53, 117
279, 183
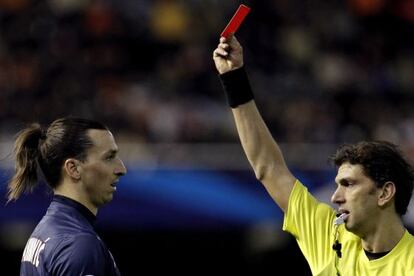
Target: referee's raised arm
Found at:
261, 149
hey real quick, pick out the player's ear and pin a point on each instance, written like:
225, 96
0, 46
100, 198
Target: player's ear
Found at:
72, 168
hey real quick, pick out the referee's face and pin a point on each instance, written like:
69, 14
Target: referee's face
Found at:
102, 168
357, 196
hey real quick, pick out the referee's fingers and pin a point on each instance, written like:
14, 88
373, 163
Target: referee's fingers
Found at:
233, 42
220, 52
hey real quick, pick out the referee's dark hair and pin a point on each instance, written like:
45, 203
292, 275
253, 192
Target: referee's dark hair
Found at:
44, 150
382, 162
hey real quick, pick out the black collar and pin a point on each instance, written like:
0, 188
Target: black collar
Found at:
78, 206
374, 256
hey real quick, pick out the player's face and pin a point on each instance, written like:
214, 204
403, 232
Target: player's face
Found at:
356, 195
101, 169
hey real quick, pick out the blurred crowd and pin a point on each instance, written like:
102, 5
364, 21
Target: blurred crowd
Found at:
322, 71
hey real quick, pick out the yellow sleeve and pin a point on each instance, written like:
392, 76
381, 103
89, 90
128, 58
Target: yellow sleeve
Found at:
311, 223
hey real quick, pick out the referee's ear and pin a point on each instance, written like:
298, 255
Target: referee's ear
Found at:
72, 168
386, 193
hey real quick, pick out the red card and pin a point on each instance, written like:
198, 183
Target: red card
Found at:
236, 20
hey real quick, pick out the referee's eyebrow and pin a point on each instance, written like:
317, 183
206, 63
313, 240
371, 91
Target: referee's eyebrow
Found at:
344, 181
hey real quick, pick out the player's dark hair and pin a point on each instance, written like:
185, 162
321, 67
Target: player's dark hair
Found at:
47, 149
382, 162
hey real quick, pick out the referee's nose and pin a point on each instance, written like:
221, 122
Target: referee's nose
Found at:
337, 196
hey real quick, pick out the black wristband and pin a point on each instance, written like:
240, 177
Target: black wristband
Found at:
236, 86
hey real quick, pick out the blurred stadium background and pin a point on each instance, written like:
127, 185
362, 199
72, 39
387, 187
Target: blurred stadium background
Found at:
324, 73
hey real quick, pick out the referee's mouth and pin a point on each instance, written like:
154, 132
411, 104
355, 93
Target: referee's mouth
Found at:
344, 214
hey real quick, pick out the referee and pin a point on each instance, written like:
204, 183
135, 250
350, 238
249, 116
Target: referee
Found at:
374, 187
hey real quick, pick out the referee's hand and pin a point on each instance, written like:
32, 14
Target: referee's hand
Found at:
228, 55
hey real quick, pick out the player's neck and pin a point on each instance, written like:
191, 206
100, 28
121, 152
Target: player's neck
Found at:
68, 191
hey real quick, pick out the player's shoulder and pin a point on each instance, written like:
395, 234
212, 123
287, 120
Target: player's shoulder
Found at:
83, 241
77, 246
78, 255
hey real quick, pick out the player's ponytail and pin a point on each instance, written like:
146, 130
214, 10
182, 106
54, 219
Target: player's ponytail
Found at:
26, 153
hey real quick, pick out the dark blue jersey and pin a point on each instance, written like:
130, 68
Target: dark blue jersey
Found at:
65, 243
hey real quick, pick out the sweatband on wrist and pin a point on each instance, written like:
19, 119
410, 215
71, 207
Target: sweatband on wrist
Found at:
237, 87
